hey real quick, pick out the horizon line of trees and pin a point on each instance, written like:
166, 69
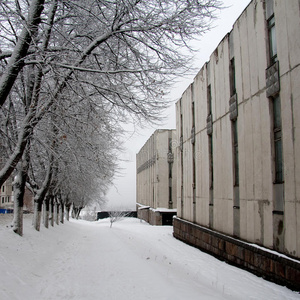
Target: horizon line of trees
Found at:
72, 73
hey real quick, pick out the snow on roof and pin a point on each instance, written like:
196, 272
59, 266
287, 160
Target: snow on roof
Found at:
143, 207
163, 209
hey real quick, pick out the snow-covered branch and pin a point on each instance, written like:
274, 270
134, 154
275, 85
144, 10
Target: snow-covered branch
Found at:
77, 75
20, 51
102, 71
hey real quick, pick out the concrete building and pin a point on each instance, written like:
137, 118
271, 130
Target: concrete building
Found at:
238, 162
156, 179
6, 196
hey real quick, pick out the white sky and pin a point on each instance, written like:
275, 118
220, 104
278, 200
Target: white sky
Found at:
123, 194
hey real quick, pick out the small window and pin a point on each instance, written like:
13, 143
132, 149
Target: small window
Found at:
210, 139
3, 188
235, 153
209, 108
193, 113
277, 140
232, 77
170, 145
272, 40
211, 162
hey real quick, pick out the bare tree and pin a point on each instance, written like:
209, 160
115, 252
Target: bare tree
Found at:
120, 54
94, 64
115, 216
11, 19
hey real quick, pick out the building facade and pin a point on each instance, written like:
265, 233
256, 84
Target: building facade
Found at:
156, 178
238, 162
6, 196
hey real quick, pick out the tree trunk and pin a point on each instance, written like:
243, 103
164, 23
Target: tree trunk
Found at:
56, 213
73, 211
68, 212
37, 215
61, 213
46, 212
18, 208
19, 191
52, 212
78, 212
40, 196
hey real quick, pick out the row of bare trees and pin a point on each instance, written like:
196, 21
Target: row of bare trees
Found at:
72, 72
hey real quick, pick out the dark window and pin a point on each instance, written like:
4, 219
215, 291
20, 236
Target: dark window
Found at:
193, 113
210, 141
153, 197
211, 162
272, 40
277, 140
232, 77
235, 153
193, 147
181, 129
209, 109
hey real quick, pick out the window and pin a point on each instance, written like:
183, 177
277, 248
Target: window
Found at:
193, 124
235, 153
3, 188
211, 162
232, 77
278, 157
170, 197
210, 140
170, 162
272, 40
209, 109
181, 129
193, 147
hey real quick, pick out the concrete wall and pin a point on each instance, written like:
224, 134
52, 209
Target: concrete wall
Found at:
277, 268
156, 174
206, 189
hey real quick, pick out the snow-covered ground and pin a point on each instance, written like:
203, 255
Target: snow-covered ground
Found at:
132, 260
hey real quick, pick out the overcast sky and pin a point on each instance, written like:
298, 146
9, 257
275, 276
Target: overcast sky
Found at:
123, 194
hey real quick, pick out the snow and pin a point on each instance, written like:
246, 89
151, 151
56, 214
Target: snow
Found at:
162, 209
132, 260
274, 252
142, 206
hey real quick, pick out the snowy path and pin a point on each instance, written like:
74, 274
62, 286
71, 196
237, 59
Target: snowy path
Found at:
131, 260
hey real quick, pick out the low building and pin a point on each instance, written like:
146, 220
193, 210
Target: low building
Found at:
6, 196
238, 162
156, 179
